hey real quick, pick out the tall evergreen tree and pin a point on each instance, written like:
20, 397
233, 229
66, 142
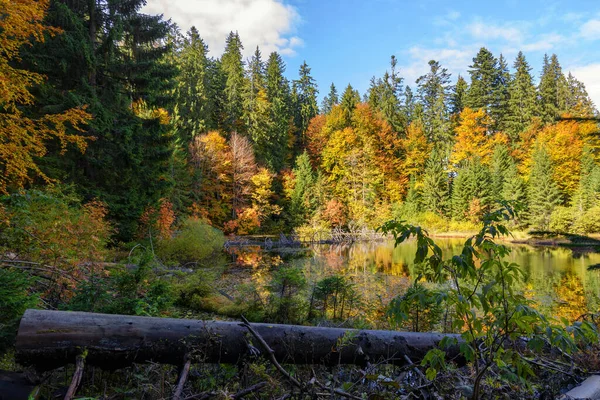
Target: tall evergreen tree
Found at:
302, 198
350, 98
522, 105
330, 100
501, 162
484, 81
578, 102
500, 108
552, 89
588, 190
279, 97
543, 192
385, 95
458, 96
232, 67
472, 193
514, 188
305, 100
193, 104
435, 184
433, 92
409, 105
115, 65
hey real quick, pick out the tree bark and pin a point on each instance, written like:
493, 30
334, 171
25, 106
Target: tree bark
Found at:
50, 339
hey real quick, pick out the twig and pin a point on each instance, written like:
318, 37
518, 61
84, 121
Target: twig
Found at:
271, 355
332, 390
182, 377
413, 366
79, 363
251, 389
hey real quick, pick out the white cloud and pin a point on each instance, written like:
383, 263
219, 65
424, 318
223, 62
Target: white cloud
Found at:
590, 76
455, 60
591, 29
486, 31
269, 24
544, 43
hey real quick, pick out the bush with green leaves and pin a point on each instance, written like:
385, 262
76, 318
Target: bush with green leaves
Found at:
498, 325
335, 297
418, 310
286, 303
195, 241
15, 298
561, 219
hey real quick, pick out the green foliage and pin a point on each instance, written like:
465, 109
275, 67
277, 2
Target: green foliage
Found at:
286, 304
126, 290
522, 106
543, 192
435, 184
490, 313
419, 309
194, 242
561, 219
433, 90
16, 295
303, 199
335, 297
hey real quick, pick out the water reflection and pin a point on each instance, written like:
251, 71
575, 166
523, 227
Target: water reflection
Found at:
557, 279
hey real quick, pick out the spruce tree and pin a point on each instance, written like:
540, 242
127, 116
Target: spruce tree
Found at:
433, 92
413, 202
305, 100
552, 90
484, 81
435, 184
514, 188
330, 100
350, 98
409, 104
458, 96
578, 102
279, 98
194, 106
588, 190
385, 95
499, 111
543, 192
302, 198
471, 186
501, 162
522, 105
232, 67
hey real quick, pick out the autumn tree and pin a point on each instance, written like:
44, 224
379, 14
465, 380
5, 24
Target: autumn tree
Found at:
24, 139
472, 138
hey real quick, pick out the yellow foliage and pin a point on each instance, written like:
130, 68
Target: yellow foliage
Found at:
23, 139
472, 140
416, 149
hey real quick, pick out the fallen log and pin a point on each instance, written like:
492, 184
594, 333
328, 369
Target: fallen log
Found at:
50, 339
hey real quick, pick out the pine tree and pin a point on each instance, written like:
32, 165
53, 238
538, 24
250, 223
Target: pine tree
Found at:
514, 188
433, 92
472, 193
522, 106
409, 105
543, 192
305, 100
330, 100
578, 102
458, 96
435, 184
484, 81
552, 89
232, 67
413, 203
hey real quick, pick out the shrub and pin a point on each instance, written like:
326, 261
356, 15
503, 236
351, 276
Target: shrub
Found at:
589, 222
15, 298
285, 303
195, 242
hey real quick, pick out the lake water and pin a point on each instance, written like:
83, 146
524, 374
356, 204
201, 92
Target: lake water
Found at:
557, 279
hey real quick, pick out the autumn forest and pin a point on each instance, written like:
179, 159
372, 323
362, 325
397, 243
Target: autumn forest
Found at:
121, 132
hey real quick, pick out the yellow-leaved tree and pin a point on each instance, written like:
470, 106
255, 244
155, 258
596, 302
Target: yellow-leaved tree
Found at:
23, 139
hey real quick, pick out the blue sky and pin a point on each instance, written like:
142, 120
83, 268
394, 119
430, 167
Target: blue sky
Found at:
349, 41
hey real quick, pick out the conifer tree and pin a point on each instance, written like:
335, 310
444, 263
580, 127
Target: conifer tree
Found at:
232, 67
409, 104
305, 100
433, 92
279, 98
578, 102
499, 111
194, 105
350, 98
552, 89
588, 190
484, 81
385, 95
458, 96
514, 186
413, 203
501, 162
472, 193
435, 184
330, 100
522, 106
543, 192
302, 198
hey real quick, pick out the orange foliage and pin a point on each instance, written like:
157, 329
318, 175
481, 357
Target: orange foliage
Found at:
472, 139
23, 139
316, 139
165, 219
335, 213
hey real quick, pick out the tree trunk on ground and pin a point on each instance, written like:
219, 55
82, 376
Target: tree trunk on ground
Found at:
50, 339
